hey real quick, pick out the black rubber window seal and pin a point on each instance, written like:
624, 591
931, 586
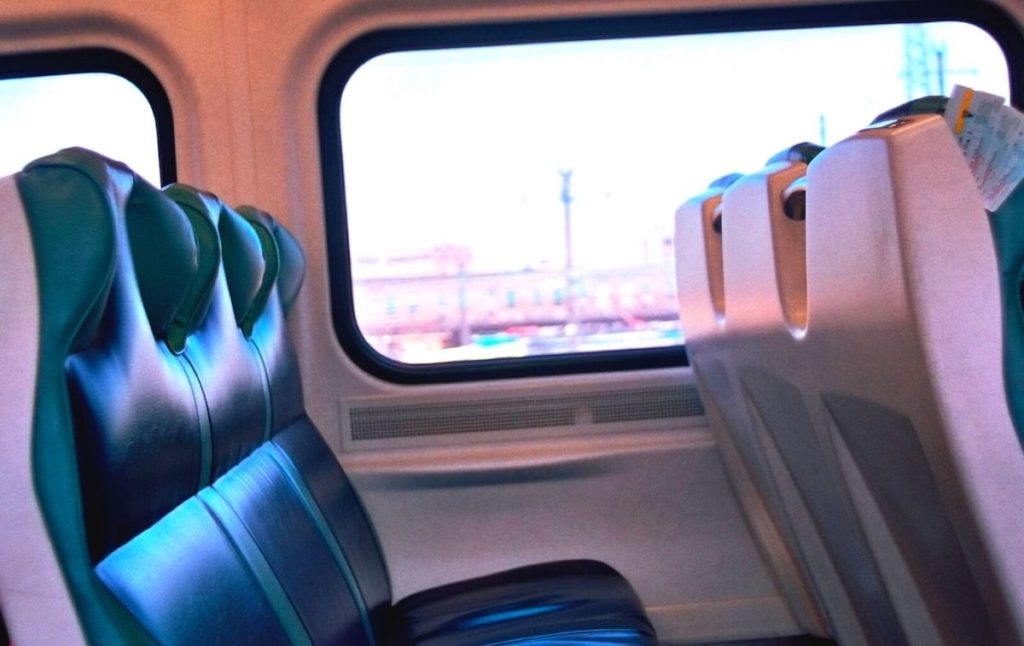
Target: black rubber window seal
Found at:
110, 61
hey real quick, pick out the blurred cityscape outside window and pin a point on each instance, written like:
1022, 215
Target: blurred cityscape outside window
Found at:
518, 200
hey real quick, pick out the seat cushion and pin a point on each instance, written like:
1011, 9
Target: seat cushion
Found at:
565, 602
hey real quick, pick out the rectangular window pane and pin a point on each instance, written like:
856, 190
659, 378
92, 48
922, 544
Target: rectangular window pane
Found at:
100, 111
517, 200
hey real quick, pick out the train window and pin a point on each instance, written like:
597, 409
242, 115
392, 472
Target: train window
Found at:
503, 205
50, 102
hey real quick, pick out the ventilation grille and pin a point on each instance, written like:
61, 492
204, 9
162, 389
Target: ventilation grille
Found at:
378, 422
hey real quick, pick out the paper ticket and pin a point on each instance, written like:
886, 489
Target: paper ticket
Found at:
1008, 166
972, 115
991, 137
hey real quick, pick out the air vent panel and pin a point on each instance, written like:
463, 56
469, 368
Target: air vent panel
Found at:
377, 421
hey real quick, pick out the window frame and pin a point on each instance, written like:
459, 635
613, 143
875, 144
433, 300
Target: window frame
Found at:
100, 60
989, 17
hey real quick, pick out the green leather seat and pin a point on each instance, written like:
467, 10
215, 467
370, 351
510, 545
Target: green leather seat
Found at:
184, 495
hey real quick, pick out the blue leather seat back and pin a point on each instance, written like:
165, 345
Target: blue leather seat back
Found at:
342, 513
296, 565
188, 496
215, 349
265, 330
100, 373
212, 508
130, 397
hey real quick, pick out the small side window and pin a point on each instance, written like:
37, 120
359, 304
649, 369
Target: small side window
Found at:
96, 99
495, 207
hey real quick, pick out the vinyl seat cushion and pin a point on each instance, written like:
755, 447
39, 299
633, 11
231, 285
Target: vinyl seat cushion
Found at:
564, 602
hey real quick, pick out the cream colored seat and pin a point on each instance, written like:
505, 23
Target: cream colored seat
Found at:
904, 369
874, 389
707, 228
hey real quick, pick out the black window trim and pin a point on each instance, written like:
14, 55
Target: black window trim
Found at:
91, 60
981, 13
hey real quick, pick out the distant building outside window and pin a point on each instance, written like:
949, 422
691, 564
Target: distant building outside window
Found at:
516, 201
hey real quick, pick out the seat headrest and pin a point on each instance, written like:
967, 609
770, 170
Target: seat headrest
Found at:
83, 281
925, 105
241, 251
291, 260
802, 152
244, 265
164, 253
725, 181
162, 246
263, 225
200, 208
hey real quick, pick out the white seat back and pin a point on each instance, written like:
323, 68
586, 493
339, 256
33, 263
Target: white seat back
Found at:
859, 357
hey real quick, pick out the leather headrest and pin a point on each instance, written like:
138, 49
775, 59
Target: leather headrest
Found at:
801, 152
725, 181
263, 225
241, 251
164, 253
201, 209
244, 265
293, 266
291, 269
163, 250
75, 176
924, 105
